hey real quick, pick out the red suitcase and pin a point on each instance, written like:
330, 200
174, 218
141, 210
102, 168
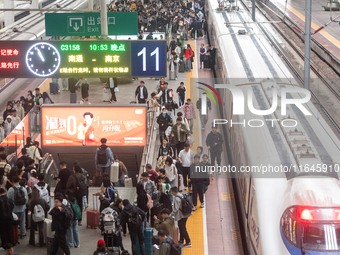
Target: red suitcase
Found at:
14, 235
93, 215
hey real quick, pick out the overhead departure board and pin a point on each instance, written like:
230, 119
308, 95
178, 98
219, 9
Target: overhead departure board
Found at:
30, 59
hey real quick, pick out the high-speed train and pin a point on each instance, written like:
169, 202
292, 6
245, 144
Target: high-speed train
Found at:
286, 157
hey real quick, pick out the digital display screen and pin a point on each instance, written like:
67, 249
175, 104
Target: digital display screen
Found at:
86, 125
30, 59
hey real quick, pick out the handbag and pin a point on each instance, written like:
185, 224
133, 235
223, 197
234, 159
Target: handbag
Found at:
116, 90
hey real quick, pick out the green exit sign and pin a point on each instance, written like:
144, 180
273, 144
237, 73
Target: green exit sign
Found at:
88, 24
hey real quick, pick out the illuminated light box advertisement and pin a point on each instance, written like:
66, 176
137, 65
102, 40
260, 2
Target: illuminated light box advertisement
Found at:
18, 134
31, 59
85, 126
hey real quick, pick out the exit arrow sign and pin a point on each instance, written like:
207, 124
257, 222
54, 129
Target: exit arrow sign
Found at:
88, 24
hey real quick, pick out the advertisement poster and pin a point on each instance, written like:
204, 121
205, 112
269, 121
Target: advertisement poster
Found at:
18, 135
85, 126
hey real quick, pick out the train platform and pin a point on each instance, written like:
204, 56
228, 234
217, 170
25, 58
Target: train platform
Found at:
213, 229
329, 36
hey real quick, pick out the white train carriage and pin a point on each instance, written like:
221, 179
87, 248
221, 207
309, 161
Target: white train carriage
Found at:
293, 207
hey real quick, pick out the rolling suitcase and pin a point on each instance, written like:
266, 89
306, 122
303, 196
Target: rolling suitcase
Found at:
128, 182
14, 235
114, 172
148, 234
73, 98
181, 68
106, 95
53, 88
47, 230
111, 242
93, 215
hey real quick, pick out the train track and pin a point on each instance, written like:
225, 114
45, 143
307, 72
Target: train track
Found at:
297, 72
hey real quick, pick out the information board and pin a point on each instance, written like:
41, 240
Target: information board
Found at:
80, 125
30, 59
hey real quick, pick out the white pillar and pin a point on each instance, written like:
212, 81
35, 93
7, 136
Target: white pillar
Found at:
9, 15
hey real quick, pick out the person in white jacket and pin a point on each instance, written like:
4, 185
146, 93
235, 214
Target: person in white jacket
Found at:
171, 172
34, 153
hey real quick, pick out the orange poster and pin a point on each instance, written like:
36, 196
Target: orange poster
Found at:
77, 125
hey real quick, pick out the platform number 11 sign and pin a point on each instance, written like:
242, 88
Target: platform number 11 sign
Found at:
148, 58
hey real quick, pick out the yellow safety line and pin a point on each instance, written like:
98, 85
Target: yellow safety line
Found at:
195, 221
327, 35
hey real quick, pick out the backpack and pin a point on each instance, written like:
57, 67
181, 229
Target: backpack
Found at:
149, 204
115, 195
109, 223
68, 216
101, 155
186, 206
19, 196
135, 220
175, 249
76, 210
38, 213
43, 192
82, 183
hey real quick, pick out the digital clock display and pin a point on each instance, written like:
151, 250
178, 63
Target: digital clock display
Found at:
30, 59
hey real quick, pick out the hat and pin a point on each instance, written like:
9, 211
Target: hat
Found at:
9, 117
33, 171
101, 243
163, 107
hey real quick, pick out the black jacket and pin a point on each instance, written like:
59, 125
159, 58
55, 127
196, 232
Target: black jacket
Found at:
164, 121
145, 92
142, 201
215, 141
130, 209
167, 150
58, 220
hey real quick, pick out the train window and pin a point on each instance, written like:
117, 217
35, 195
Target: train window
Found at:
322, 237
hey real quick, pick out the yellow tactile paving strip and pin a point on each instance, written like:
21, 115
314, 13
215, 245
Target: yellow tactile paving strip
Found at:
195, 221
327, 35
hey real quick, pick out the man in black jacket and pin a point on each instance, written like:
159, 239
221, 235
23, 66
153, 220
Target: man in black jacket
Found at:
214, 143
6, 207
141, 93
60, 218
164, 121
133, 217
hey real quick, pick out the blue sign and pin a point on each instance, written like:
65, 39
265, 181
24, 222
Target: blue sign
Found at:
148, 58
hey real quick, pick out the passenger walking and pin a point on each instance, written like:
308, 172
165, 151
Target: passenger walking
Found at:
181, 94
189, 113
188, 54
180, 218
203, 116
104, 157
165, 149
73, 230
171, 172
179, 132
214, 143
60, 223
18, 196
133, 217
198, 182
164, 121
113, 85
118, 207
186, 157
141, 93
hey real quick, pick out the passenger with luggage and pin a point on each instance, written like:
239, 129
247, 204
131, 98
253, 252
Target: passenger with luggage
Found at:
6, 218
149, 186
18, 196
38, 208
104, 157
133, 217
181, 215
43, 188
164, 121
118, 207
108, 192
189, 113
